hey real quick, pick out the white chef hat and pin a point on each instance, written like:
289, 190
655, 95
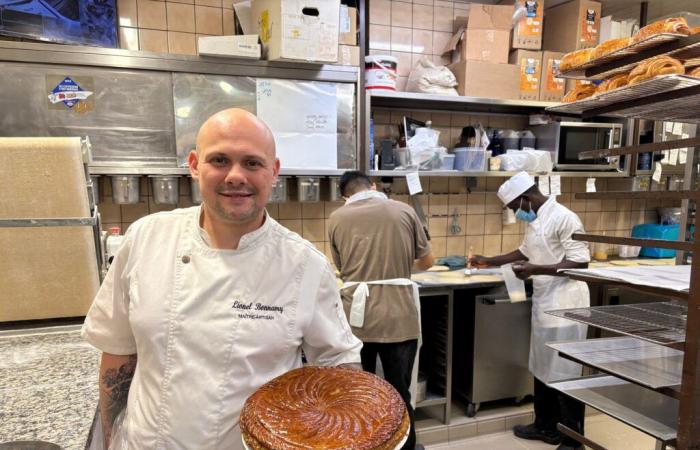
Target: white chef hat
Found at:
515, 187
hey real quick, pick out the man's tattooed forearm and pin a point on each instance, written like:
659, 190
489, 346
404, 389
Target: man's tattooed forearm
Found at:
116, 383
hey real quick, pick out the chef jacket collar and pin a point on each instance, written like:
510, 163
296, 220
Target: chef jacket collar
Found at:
362, 195
248, 240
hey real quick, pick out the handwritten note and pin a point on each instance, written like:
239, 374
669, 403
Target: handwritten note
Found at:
413, 182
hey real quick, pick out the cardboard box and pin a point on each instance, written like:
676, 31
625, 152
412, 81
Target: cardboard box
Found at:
527, 33
572, 26
244, 46
348, 26
485, 79
490, 17
478, 44
298, 30
573, 84
348, 55
529, 64
551, 86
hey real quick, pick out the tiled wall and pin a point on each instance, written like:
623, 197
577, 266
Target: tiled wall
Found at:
412, 30
477, 213
172, 26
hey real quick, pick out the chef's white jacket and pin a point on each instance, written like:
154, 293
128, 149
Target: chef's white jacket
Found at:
548, 241
210, 326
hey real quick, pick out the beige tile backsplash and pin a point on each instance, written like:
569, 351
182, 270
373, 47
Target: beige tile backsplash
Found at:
478, 214
172, 26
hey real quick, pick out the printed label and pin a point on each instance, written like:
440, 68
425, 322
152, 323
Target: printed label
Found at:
74, 94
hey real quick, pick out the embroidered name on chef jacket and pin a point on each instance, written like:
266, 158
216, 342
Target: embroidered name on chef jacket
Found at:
256, 310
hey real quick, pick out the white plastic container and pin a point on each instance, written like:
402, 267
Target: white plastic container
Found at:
380, 72
112, 244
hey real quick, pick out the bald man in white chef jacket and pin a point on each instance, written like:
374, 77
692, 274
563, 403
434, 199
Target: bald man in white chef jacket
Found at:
203, 305
548, 246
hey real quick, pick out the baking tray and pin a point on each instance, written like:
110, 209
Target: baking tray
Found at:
650, 365
657, 85
652, 41
659, 323
644, 409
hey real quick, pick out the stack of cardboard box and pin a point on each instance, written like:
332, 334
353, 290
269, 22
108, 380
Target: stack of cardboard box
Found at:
526, 54
570, 26
480, 53
348, 50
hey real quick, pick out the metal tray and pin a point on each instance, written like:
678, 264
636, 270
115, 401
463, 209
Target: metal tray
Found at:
648, 411
650, 365
657, 85
652, 41
660, 323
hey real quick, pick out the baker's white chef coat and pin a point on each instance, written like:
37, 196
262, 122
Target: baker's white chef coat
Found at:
210, 326
548, 241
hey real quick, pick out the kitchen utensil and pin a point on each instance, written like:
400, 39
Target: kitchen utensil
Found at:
125, 189
166, 189
195, 193
454, 226
279, 191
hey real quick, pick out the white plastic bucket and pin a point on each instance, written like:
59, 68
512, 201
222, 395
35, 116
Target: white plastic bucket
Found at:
380, 72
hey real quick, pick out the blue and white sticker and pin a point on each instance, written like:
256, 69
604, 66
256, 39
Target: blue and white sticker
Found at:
68, 92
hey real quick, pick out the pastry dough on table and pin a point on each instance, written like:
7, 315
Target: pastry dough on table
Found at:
624, 262
650, 68
438, 269
670, 25
657, 262
613, 82
575, 59
609, 46
579, 93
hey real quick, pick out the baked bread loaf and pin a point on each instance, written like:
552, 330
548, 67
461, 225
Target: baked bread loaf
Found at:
579, 93
609, 46
671, 25
575, 59
660, 65
613, 82
695, 72
324, 408
695, 30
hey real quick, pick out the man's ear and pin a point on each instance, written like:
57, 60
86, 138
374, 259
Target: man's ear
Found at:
373, 186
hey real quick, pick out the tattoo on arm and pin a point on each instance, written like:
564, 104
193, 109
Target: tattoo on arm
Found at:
114, 386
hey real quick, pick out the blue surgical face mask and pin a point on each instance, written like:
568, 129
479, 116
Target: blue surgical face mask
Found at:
525, 216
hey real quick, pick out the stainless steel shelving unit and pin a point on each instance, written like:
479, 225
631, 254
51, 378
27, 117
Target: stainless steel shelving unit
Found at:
644, 392
66, 56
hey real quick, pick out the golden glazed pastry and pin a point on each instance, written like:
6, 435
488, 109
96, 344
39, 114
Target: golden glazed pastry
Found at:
324, 408
660, 65
579, 93
695, 30
609, 46
671, 25
695, 72
575, 59
613, 82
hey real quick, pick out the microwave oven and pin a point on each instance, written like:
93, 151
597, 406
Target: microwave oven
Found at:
565, 140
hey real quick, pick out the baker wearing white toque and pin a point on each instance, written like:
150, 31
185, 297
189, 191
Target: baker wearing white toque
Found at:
546, 248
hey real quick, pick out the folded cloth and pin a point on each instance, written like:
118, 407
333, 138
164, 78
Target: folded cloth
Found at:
453, 262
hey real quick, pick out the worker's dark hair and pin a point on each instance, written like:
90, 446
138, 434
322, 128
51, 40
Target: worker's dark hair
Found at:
352, 182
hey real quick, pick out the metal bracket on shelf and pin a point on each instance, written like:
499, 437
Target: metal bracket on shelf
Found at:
563, 429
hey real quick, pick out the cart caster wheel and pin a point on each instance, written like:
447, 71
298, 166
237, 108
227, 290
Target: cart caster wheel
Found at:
472, 408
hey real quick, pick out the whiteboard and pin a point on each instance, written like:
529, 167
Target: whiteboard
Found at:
303, 116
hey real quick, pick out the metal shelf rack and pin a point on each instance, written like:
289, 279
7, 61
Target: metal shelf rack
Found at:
668, 415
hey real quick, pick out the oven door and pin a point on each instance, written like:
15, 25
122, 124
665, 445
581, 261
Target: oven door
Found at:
576, 137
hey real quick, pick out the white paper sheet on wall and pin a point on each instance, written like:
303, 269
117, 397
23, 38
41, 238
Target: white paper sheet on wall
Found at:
544, 184
413, 182
303, 116
590, 185
555, 185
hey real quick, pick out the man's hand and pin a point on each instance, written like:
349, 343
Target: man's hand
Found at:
524, 269
479, 261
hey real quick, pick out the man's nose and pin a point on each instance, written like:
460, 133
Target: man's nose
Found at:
236, 174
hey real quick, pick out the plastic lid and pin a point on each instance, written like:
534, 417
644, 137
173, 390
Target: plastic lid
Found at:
115, 230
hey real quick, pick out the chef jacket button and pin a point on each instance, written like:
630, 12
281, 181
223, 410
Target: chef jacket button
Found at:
186, 259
